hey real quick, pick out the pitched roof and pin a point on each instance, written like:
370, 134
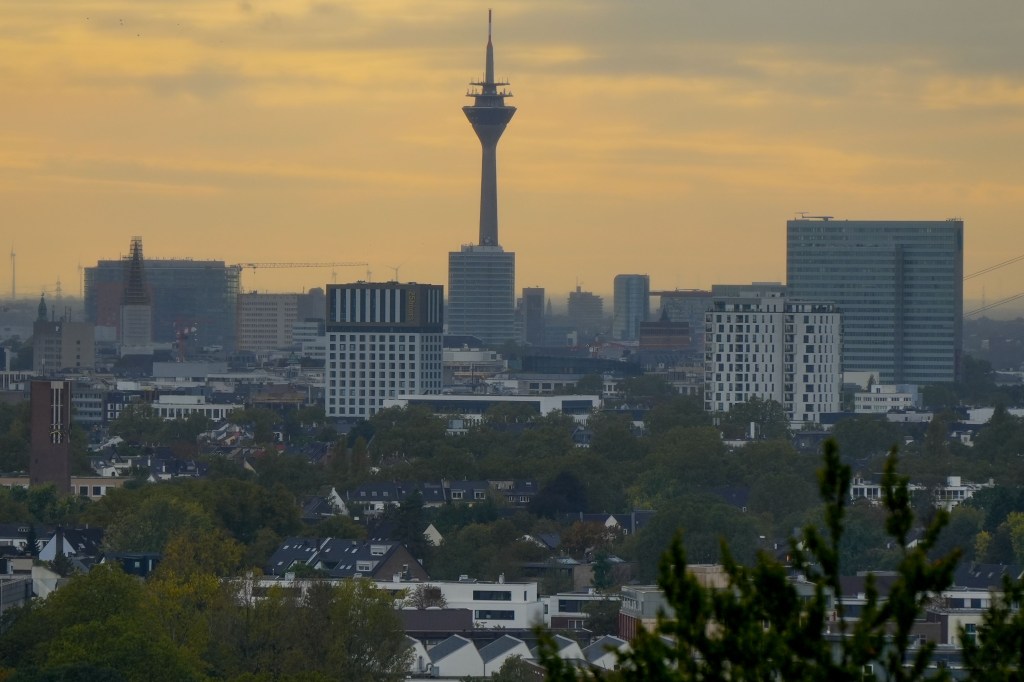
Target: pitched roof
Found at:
601, 646
985, 576
449, 647
293, 550
500, 646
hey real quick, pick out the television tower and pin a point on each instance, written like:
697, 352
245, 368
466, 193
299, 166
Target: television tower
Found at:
489, 116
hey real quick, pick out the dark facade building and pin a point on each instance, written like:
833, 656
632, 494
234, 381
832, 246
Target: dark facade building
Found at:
482, 277
50, 430
586, 314
183, 294
531, 312
898, 285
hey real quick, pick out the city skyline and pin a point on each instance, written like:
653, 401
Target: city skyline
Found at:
672, 139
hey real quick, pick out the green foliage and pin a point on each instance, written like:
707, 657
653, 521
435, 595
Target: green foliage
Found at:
768, 415
189, 625
766, 626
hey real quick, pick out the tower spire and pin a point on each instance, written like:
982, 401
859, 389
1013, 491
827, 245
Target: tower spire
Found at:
489, 115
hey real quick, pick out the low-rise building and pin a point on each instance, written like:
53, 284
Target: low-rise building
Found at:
882, 398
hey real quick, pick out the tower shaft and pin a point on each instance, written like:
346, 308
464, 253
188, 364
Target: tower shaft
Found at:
489, 115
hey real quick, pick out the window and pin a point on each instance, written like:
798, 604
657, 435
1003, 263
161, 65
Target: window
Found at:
456, 494
492, 595
494, 615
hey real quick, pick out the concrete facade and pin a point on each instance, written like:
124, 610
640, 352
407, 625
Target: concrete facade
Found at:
774, 349
384, 342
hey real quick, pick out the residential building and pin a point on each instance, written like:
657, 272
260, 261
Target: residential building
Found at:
481, 277
882, 398
470, 409
773, 349
384, 342
170, 407
266, 322
60, 344
631, 305
899, 285
345, 558
502, 604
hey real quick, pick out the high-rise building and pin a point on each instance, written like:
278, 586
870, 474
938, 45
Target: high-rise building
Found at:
899, 285
481, 277
774, 349
532, 316
266, 321
631, 306
50, 434
136, 328
183, 293
586, 314
685, 306
384, 341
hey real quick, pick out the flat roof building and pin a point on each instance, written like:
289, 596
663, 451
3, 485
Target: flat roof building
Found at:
899, 286
383, 342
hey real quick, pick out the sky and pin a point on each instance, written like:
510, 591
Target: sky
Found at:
667, 137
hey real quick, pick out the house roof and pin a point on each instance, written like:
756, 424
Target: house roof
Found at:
985, 576
84, 541
449, 647
499, 647
601, 647
436, 620
293, 550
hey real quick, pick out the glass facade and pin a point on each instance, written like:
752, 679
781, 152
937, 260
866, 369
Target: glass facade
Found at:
898, 285
481, 294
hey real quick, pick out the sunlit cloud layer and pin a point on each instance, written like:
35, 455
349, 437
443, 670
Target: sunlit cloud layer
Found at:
673, 137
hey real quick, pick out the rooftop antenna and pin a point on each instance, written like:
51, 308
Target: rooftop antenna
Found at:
395, 269
14, 289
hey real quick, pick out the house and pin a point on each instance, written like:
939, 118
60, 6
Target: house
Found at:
567, 649
345, 558
419, 664
603, 653
78, 543
497, 652
568, 610
456, 657
501, 604
468, 491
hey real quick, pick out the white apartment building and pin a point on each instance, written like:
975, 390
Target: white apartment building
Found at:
510, 605
169, 407
383, 342
774, 349
882, 398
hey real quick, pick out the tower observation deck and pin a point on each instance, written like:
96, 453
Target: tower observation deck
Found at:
489, 115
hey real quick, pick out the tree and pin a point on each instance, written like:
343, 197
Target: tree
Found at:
138, 423
768, 415
424, 596
515, 669
763, 627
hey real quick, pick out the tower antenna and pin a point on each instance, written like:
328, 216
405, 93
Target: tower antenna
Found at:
14, 288
489, 115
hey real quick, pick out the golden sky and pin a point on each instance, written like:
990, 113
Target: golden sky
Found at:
672, 137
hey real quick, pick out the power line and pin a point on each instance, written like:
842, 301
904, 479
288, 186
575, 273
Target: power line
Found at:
990, 268
1002, 301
